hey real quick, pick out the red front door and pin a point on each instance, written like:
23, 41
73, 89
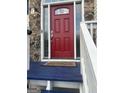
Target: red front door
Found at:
62, 31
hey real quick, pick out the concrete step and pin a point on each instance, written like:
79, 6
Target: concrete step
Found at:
33, 91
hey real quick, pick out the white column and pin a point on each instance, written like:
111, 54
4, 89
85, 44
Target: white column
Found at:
74, 30
28, 52
28, 45
42, 32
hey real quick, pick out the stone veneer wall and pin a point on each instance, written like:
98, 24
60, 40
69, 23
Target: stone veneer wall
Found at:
34, 23
89, 9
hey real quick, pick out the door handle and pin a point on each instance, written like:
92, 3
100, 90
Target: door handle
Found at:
51, 34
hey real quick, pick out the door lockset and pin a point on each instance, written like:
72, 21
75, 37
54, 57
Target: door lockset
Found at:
51, 34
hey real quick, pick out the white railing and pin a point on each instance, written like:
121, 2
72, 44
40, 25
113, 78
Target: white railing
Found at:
88, 61
92, 27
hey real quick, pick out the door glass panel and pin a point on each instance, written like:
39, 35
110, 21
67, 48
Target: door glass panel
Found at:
48, 1
78, 20
61, 11
45, 28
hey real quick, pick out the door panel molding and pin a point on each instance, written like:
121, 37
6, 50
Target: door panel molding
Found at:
64, 30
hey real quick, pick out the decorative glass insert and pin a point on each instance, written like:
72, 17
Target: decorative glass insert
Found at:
45, 28
61, 11
78, 20
49, 1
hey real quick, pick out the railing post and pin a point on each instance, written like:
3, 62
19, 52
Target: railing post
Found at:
88, 60
49, 85
91, 25
83, 87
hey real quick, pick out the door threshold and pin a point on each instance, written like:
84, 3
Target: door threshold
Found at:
61, 60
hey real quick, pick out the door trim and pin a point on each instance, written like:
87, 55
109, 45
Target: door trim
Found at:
61, 60
61, 2
49, 40
75, 52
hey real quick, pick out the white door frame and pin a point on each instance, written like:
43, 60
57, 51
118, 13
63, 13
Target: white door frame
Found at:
49, 39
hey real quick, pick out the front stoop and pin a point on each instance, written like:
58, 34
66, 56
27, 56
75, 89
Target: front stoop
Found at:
32, 90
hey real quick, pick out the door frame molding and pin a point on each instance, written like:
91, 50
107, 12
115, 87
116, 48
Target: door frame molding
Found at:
49, 40
75, 51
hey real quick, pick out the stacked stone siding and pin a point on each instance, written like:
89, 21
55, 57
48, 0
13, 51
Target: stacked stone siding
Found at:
89, 9
34, 23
